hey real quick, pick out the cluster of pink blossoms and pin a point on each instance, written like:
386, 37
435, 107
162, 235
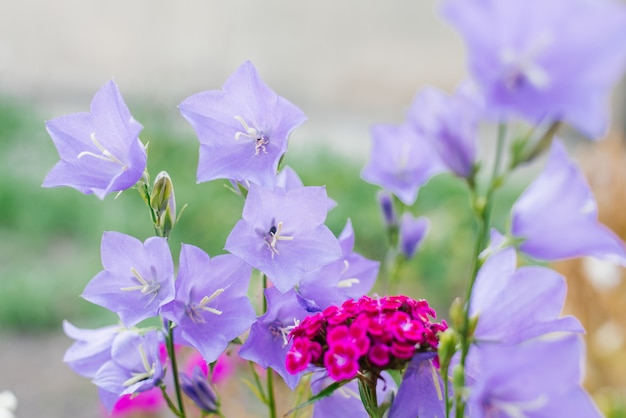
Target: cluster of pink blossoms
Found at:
368, 335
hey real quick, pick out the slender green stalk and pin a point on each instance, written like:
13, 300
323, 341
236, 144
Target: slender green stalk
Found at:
172, 355
483, 215
170, 404
271, 401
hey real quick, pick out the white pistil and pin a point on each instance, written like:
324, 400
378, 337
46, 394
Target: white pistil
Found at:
144, 286
274, 237
149, 370
105, 155
259, 137
348, 282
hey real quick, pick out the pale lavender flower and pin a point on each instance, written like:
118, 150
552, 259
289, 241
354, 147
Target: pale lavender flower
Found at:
346, 401
211, 307
385, 202
138, 278
401, 161
350, 277
545, 61
243, 129
450, 124
514, 305
557, 217
288, 179
199, 390
268, 342
135, 366
421, 391
283, 235
412, 232
541, 378
100, 151
91, 349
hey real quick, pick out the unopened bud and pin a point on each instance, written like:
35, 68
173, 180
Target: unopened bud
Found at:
385, 202
412, 233
456, 314
199, 390
458, 378
163, 202
447, 346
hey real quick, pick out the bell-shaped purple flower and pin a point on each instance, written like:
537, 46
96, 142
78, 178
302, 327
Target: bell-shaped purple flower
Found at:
450, 123
135, 366
557, 217
401, 161
541, 378
91, 349
532, 59
350, 277
288, 179
268, 342
283, 235
421, 393
412, 232
138, 278
515, 305
346, 401
243, 129
199, 390
211, 307
100, 151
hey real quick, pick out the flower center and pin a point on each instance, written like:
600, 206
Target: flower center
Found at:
139, 376
521, 69
259, 138
278, 329
146, 287
105, 155
273, 236
194, 311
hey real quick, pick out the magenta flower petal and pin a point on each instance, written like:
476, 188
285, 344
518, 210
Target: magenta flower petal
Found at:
557, 215
243, 129
100, 151
211, 307
138, 278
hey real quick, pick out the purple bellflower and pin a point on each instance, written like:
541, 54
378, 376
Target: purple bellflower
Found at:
211, 307
401, 161
288, 179
541, 378
243, 129
138, 278
100, 151
450, 123
514, 305
385, 202
421, 393
557, 217
350, 277
135, 366
199, 390
412, 233
346, 401
531, 58
283, 235
91, 349
268, 342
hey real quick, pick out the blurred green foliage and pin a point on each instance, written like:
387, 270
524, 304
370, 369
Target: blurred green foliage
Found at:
50, 238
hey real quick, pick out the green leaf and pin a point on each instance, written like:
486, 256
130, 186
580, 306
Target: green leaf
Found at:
324, 393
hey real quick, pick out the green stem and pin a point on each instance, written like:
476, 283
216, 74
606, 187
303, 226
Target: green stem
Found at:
484, 220
170, 404
271, 401
172, 355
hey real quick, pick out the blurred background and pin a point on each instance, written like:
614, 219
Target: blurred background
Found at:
346, 64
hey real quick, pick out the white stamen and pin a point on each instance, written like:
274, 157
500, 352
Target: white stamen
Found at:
205, 300
347, 282
516, 409
346, 266
259, 137
274, 237
105, 154
149, 370
144, 286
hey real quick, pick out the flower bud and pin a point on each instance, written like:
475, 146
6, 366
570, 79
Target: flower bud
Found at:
163, 202
386, 206
198, 389
447, 346
412, 233
456, 313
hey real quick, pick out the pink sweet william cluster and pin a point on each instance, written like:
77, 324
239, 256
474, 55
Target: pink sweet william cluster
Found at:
368, 335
